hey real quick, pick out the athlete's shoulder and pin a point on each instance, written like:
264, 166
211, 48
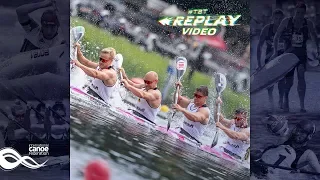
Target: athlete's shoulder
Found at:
204, 110
157, 92
245, 130
111, 72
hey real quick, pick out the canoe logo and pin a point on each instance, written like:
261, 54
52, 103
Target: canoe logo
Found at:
16, 159
180, 65
39, 149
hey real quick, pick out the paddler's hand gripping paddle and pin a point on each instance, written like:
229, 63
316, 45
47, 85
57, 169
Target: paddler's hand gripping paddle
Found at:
221, 84
117, 64
76, 34
181, 67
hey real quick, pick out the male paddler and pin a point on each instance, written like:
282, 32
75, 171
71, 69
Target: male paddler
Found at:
149, 101
267, 36
196, 112
238, 133
103, 86
43, 35
294, 153
296, 31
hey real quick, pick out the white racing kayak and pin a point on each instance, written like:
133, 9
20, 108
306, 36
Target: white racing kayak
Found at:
173, 132
35, 62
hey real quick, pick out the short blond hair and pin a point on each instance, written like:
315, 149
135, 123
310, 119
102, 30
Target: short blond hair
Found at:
110, 50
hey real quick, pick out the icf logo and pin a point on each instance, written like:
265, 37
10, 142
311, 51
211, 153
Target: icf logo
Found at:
16, 159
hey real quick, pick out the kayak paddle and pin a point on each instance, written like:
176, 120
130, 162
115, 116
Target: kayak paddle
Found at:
181, 67
221, 83
76, 34
117, 63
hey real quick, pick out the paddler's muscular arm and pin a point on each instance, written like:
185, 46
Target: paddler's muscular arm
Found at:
313, 34
83, 60
124, 75
311, 160
201, 115
182, 101
102, 75
24, 10
226, 122
149, 96
139, 86
262, 39
242, 135
280, 30
217, 116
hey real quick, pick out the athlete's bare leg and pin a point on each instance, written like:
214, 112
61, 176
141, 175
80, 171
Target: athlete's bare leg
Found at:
271, 102
301, 85
288, 85
281, 88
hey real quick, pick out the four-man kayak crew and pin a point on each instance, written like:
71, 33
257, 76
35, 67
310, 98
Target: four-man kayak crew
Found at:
296, 30
238, 132
196, 112
149, 95
43, 128
38, 37
105, 81
267, 36
294, 152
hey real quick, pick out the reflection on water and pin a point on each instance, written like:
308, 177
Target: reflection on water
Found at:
136, 152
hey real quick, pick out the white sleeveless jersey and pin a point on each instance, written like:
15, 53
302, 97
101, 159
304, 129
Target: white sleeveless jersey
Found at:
38, 129
237, 147
59, 131
195, 129
146, 110
107, 93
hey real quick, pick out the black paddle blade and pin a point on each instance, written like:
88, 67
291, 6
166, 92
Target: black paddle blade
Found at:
215, 140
